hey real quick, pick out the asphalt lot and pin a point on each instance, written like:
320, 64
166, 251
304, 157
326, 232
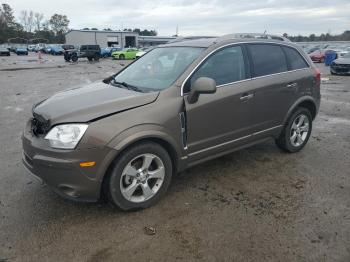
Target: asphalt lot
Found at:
258, 204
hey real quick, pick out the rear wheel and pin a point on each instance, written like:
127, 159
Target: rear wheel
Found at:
296, 132
89, 58
139, 177
96, 57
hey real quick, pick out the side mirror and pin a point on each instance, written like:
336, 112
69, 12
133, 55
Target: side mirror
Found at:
203, 85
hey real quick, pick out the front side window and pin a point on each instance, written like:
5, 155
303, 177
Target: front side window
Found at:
267, 59
225, 66
295, 60
159, 68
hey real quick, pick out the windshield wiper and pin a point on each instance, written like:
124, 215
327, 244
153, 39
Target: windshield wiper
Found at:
126, 85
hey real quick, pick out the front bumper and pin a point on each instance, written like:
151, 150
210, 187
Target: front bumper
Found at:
340, 69
60, 169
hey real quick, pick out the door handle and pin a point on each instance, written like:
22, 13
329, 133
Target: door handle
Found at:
246, 97
290, 85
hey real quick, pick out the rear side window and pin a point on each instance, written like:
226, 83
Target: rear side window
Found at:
83, 47
267, 59
295, 60
225, 66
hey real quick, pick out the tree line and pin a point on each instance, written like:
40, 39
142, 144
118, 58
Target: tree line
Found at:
345, 36
31, 25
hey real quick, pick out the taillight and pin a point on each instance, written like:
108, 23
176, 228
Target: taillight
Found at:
317, 75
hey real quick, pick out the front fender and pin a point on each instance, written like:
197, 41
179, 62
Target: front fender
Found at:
142, 132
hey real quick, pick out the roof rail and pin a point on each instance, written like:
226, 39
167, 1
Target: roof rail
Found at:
186, 38
253, 36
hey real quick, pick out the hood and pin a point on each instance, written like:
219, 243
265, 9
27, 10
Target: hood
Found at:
342, 61
90, 102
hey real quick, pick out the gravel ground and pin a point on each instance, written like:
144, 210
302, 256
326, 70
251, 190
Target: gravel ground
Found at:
258, 204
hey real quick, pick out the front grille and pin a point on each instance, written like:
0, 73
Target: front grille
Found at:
345, 66
40, 126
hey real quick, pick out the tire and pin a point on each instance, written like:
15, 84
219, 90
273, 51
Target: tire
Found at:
89, 58
294, 128
74, 58
96, 57
121, 57
134, 158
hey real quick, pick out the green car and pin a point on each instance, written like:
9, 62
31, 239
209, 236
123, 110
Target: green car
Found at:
128, 53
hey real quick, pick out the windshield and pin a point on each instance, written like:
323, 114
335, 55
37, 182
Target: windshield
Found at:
159, 68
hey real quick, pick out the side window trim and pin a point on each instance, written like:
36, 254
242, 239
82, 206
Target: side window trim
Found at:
251, 59
284, 47
246, 65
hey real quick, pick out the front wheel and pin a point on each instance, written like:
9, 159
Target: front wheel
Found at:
122, 57
139, 177
296, 131
74, 57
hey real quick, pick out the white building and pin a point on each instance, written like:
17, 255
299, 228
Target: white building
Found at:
113, 38
102, 38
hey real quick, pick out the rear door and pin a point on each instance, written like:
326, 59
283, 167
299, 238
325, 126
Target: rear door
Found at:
300, 76
273, 94
219, 121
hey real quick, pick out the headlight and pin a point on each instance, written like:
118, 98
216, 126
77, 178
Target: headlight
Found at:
66, 136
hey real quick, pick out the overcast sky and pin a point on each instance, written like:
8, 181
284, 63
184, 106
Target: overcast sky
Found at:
206, 17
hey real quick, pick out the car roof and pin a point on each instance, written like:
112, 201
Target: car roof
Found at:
206, 42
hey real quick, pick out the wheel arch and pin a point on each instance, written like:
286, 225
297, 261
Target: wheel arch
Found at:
120, 144
307, 102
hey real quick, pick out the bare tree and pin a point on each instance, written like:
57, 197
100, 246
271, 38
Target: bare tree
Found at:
27, 20
30, 21
2, 18
38, 18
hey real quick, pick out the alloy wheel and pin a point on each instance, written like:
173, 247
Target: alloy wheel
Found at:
142, 178
299, 130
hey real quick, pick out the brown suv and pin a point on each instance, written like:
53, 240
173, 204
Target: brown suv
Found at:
178, 105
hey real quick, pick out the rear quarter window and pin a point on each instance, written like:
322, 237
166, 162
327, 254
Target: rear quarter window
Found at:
295, 59
267, 59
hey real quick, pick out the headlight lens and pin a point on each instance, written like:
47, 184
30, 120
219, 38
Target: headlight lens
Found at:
66, 136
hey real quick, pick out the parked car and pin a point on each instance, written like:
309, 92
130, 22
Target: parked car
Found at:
21, 51
107, 52
125, 137
31, 48
341, 65
39, 48
56, 50
143, 51
89, 51
128, 53
344, 50
47, 49
12, 49
319, 56
311, 49
4, 51
67, 47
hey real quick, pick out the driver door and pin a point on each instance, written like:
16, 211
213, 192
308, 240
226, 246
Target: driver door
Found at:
219, 121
